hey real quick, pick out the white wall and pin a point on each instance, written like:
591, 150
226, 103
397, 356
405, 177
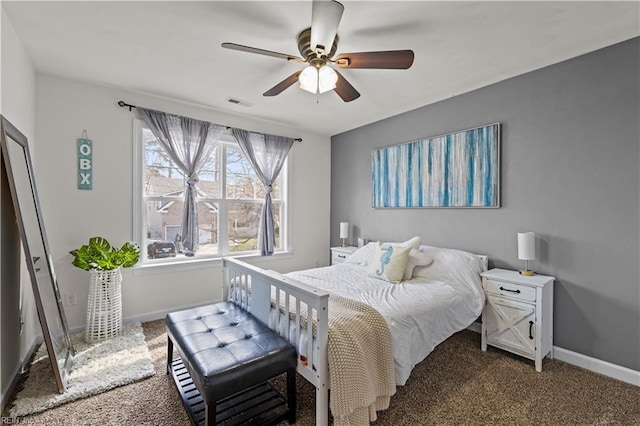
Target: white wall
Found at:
65, 108
17, 104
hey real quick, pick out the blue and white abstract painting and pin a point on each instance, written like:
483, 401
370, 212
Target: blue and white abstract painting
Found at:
459, 169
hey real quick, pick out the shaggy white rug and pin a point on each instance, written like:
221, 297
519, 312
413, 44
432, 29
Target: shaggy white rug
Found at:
96, 367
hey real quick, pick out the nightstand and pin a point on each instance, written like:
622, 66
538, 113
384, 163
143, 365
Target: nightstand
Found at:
340, 254
518, 314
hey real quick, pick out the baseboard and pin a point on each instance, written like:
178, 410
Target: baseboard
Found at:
605, 368
152, 316
15, 376
597, 366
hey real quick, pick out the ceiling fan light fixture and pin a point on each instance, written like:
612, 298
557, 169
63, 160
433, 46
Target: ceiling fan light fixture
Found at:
327, 79
309, 79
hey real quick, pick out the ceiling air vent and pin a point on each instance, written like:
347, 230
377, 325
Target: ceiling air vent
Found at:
239, 102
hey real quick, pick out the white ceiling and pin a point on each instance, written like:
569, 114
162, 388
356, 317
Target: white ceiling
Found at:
172, 49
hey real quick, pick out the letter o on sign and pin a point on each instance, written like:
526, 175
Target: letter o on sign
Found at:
85, 149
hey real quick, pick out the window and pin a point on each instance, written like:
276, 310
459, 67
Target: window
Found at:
229, 199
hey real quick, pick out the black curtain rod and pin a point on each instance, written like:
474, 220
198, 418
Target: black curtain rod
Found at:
123, 104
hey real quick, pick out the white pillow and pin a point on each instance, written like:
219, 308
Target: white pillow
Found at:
416, 259
448, 263
389, 262
411, 242
364, 254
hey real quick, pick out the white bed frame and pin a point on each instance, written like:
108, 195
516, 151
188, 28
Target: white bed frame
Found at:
238, 276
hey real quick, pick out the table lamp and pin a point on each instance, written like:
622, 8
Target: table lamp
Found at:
344, 233
526, 251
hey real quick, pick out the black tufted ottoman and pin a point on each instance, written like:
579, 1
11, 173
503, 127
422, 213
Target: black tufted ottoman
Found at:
226, 358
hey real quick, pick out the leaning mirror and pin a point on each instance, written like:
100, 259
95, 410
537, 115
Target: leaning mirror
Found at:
55, 331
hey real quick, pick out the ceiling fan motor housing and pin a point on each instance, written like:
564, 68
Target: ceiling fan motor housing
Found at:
304, 46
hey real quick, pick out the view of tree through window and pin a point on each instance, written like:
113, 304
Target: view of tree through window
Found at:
229, 200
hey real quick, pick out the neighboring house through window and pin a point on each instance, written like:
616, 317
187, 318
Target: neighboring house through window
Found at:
229, 199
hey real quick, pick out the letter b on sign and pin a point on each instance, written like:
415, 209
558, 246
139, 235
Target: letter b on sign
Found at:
85, 164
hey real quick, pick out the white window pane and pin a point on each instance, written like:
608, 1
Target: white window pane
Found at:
242, 181
164, 221
208, 228
209, 176
243, 226
161, 176
163, 226
162, 218
244, 219
155, 184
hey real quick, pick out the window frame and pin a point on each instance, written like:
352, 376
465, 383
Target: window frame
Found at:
139, 205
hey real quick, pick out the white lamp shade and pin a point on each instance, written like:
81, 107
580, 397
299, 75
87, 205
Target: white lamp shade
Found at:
526, 245
327, 79
344, 229
309, 79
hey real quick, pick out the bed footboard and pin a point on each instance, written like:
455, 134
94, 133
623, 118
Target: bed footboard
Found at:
256, 289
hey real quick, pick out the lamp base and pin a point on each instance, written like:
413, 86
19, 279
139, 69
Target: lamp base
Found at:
527, 272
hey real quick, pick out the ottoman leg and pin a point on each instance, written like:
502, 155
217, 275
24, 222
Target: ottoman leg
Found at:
210, 414
169, 354
291, 394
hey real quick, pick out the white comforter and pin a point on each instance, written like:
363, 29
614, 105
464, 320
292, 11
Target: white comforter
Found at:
421, 312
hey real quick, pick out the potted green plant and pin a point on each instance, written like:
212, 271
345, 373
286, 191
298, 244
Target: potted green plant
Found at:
103, 261
101, 256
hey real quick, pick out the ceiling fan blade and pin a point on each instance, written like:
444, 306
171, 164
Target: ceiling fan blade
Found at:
391, 59
249, 49
284, 84
345, 90
325, 18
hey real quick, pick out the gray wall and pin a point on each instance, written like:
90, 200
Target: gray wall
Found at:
569, 172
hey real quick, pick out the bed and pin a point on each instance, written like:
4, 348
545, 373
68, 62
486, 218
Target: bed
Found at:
367, 333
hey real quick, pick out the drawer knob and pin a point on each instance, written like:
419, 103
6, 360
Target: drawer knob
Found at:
511, 291
342, 256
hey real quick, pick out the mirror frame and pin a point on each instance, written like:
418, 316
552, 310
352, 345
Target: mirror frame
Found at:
10, 134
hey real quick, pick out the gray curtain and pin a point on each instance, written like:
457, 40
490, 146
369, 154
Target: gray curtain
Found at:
266, 153
189, 143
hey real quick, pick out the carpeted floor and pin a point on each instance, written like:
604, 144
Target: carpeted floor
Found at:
457, 384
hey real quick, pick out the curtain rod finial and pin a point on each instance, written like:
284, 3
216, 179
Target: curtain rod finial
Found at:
123, 104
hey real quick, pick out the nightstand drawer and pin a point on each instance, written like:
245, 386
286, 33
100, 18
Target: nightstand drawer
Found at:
513, 291
338, 257
340, 254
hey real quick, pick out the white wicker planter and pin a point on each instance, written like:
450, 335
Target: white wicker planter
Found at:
104, 309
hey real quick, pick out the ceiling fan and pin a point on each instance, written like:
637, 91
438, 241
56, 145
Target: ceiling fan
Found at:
318, 45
